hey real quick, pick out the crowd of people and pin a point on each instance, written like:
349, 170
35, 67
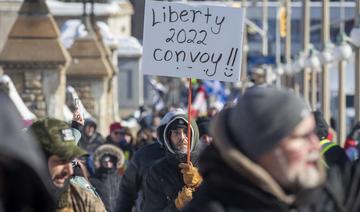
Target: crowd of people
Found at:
267, 152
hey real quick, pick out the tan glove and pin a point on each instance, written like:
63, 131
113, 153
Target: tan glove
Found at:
184, 196
191, 175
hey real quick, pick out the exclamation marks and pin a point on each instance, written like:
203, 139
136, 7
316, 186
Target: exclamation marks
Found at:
228, 61
231, 59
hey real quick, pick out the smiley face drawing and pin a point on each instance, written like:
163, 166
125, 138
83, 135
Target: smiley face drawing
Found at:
228, 72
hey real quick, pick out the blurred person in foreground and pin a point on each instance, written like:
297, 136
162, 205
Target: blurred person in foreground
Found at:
24, 184
266, 157
171, 181
59, 144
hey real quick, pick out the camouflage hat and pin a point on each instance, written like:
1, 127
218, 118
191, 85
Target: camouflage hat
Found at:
57, 137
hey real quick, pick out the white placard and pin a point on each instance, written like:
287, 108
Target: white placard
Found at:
188, 40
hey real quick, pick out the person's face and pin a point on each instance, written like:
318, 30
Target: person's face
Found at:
89, 130
125, 137
115, 135
212, 112
107, 164
179, 140
294, 164
206, 139
143, 135
156, 121
59, 170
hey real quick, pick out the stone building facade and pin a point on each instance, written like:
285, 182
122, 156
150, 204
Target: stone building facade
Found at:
35, 59
90, 73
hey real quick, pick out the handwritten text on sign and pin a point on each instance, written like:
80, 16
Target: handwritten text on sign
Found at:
188, 40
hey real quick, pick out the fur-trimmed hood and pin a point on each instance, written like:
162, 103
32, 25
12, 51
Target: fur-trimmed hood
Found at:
108, 149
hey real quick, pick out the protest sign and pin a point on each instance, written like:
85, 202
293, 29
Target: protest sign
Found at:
193, 41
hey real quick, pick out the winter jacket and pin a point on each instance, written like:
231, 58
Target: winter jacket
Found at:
80, 196
164, 180
107, 181
107, 185
25, 182
133, 179
162, 185
128, 149
333, 154
90, 144
225, 189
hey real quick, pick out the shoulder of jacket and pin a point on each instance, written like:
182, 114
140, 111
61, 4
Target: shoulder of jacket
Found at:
83, 186
85, 197
64, 201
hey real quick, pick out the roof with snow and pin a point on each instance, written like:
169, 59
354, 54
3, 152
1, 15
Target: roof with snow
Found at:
129, 47
58, 8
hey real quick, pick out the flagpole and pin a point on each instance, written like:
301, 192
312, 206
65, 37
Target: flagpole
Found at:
189, 122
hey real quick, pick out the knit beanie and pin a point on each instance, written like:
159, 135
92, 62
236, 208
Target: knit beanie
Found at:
262, 117
114, 126
203, 125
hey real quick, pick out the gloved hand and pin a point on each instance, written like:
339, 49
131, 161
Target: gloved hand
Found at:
191, 175
184, 196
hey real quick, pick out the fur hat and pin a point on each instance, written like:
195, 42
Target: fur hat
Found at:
56, 137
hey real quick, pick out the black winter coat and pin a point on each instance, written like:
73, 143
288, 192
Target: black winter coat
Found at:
90, 144
224, 190
128, 149
107, 185
162, 185
133, 179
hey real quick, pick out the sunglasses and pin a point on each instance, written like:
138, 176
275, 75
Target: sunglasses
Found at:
117, 132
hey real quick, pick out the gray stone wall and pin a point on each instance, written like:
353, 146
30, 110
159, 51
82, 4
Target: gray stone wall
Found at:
33, 94
29, 86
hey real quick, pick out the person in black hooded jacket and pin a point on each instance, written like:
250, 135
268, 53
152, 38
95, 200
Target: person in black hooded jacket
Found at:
109, 162
132, 184
265, 156
171, 181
